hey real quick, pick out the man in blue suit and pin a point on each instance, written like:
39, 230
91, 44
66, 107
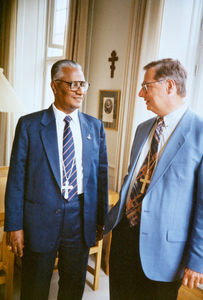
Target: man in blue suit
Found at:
57, 189
157, 239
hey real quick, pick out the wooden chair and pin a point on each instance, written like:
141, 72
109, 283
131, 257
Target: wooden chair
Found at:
97, 251
6, 256
113, 198
3, 180
95, 271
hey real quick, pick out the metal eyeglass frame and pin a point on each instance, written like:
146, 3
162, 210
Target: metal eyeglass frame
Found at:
144, 85
80, 84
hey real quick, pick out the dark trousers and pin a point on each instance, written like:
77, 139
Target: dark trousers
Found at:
127, 279
73, 255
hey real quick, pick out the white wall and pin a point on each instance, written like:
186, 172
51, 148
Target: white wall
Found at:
110, 32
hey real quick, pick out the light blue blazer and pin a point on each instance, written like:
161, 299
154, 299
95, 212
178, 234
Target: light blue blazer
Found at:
171, 228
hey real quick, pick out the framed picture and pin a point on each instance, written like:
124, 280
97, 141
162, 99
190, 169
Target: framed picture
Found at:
109, 108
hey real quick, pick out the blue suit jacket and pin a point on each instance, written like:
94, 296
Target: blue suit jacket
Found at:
33, 199
171, 228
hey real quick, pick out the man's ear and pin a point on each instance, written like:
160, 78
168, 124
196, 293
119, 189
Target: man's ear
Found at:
53, 87
171, 86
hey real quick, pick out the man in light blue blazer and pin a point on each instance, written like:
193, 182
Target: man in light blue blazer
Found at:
57, 189
157, 242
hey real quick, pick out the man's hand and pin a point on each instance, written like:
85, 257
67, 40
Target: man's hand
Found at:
15, 239
191, 278
99, 232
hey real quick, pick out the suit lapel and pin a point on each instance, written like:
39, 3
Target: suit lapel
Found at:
87, 140
175, 143
138, 144
140, 140
49, 140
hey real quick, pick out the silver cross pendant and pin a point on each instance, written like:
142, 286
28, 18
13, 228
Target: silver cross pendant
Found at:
66, 187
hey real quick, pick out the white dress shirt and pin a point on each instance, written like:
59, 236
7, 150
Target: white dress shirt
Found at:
170, 123
77, 138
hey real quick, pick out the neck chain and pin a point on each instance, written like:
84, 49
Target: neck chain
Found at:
150, 166
71, 170
147, 177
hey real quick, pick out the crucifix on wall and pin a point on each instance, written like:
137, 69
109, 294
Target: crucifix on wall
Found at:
113, 59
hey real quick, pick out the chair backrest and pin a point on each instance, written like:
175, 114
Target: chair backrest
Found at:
3, 180
1, 232
6, 256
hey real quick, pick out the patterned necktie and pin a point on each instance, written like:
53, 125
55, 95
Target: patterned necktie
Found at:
138, 191
69, 188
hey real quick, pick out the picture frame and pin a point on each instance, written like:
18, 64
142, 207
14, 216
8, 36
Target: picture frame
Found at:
108, 112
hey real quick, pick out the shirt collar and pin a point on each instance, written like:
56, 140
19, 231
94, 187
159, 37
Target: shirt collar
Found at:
60, 115
175, 115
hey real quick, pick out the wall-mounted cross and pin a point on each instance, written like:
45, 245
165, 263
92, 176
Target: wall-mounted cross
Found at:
113, 59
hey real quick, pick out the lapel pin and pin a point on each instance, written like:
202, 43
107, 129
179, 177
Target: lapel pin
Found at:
89, 137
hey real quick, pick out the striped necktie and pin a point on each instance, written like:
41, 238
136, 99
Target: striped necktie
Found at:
138, 191
69, 188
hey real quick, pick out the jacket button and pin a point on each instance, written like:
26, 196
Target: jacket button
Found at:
57, 211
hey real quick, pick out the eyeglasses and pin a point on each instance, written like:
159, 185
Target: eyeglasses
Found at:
145, 84
75, 85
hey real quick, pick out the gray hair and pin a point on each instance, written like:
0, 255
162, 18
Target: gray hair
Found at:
169, 68
56, 70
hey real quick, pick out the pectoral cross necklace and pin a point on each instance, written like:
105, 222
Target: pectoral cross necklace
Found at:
66, 186
146, 180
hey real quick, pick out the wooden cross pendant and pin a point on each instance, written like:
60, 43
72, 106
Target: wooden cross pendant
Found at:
113, 59
144, 181
67, 187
